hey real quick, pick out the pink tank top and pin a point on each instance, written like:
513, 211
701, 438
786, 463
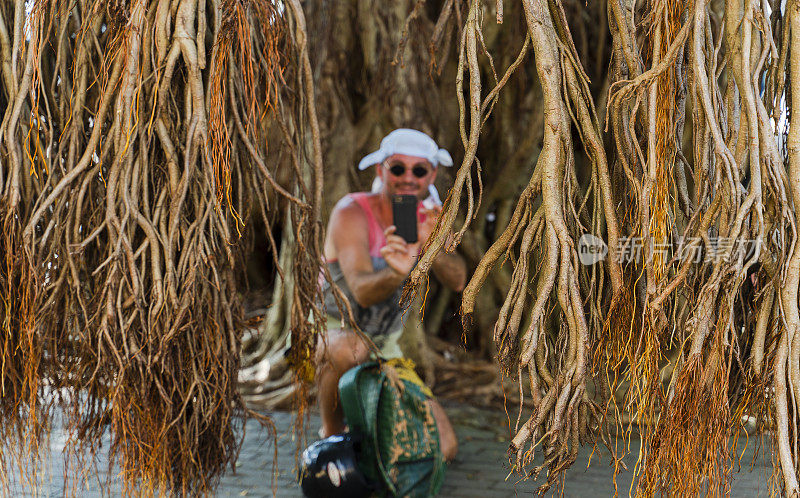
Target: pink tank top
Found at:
376, 238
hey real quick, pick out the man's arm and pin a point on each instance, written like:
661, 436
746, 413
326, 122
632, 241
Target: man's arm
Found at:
451, 270
349, 234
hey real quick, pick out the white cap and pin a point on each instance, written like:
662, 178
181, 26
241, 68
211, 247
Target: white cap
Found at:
410, 143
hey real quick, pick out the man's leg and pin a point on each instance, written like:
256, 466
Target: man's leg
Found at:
447, 436
337, 352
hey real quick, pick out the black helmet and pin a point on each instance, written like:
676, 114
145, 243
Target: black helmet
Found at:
328, 469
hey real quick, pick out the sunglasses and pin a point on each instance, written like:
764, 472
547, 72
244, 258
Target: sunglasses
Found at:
400, 170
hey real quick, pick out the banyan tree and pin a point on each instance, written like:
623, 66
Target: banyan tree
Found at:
626, 192
139, 141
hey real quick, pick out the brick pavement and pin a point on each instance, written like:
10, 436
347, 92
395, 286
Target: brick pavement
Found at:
479, 471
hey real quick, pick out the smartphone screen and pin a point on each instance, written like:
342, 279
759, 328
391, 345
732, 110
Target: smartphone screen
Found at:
404, 215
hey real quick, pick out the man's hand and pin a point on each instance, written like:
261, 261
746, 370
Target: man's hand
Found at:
431, 219
450, 269
400, 256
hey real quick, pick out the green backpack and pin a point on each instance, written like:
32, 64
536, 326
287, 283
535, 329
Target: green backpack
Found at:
400, 440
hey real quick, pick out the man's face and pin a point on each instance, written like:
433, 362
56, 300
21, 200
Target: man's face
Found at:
409, 175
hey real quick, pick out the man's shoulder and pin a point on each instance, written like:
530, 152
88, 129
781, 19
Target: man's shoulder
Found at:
348, 210
353, 201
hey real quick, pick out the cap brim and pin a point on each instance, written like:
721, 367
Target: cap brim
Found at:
370, 159
443, 158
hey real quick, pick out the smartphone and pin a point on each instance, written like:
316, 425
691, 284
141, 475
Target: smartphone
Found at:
404, 216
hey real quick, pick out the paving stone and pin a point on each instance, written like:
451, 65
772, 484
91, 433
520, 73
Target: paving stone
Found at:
479, 471
484, 493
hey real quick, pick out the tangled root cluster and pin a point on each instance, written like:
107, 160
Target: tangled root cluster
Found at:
134, 148
690, 325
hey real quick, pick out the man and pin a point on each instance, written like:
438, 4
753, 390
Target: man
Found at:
370, 264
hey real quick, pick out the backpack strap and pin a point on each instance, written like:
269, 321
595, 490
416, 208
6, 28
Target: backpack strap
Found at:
349, 396
365, 417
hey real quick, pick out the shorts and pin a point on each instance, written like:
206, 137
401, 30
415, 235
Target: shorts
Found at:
388, 344
390, 351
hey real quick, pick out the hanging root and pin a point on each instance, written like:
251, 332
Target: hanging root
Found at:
24, 412
24, 329
553, 344
136, 153
708, 227
690, 450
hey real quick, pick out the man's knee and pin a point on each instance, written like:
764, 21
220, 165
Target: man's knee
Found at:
448, 443
342, 350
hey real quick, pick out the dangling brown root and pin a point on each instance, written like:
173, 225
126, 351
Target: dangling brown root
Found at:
689, 450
